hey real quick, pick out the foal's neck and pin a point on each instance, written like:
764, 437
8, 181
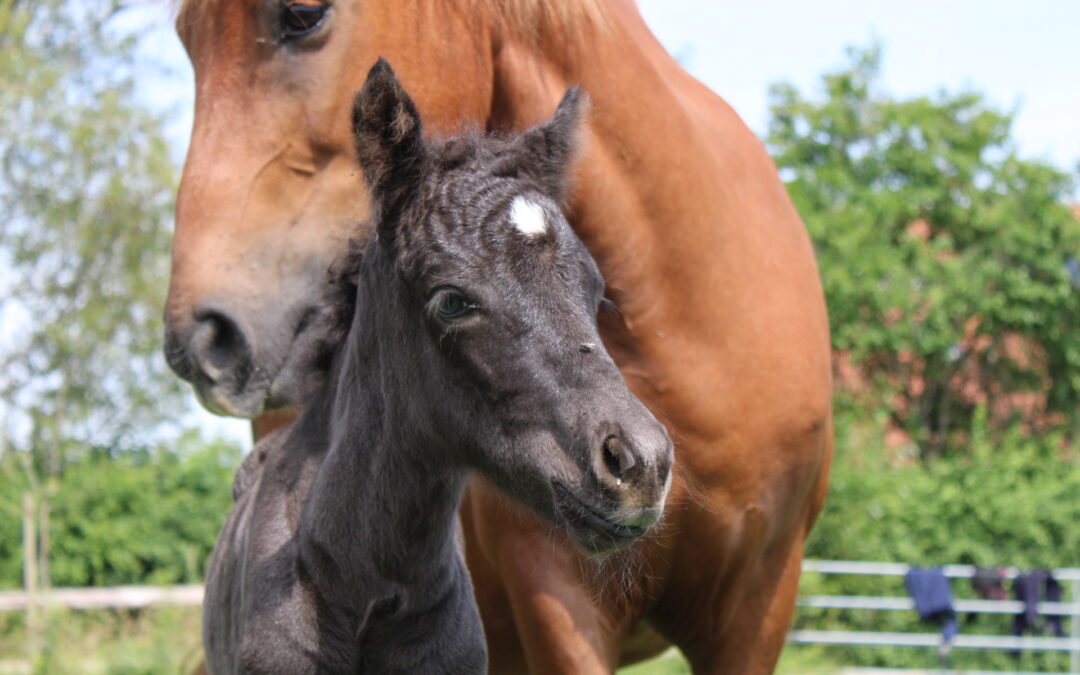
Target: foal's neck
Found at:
381, 510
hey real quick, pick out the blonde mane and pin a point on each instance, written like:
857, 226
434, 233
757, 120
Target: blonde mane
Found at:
531, 20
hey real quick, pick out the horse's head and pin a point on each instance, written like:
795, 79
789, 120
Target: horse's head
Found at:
268, 192
503, 299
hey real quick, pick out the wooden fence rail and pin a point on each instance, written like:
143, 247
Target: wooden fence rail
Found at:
115, 597
131, 597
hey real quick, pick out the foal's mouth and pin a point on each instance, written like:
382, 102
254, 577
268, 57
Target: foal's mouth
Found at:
590, 525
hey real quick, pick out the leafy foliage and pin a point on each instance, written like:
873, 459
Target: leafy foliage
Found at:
86, 197
86, 200
946, 258
1009, 500
148, 516
950, 269
1012, 500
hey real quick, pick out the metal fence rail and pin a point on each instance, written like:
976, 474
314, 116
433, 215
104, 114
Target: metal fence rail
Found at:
1071, 610
900, 569
969, 606
871, 638
910, 671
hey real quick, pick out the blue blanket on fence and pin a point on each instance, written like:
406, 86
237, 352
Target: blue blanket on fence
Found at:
933, 598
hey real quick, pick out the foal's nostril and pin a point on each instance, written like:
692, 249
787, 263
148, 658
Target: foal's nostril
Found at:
610, 460
617, 459
219, 345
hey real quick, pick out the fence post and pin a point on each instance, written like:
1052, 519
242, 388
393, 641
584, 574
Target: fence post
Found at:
30, 578
1074, 627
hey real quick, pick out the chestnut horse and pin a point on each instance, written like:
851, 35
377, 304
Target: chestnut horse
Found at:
721, 326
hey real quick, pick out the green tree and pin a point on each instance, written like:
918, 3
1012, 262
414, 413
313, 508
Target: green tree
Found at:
949, 262
86, 195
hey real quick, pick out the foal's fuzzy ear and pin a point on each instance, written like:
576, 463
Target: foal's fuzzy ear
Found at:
550, 147
389, 144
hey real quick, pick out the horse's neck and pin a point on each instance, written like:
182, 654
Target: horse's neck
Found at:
380, 513
646, 163
678, 202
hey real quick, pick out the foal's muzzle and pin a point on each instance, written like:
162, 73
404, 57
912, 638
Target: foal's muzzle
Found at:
623, 492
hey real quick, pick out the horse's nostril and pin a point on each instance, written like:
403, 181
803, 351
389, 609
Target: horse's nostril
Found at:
227, 340
219, 345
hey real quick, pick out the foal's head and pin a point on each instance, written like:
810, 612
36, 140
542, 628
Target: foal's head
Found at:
501, 298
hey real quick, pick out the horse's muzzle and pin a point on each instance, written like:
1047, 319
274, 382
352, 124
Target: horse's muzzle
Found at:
214, 353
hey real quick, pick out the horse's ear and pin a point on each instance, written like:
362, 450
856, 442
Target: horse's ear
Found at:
550, 147
389, 144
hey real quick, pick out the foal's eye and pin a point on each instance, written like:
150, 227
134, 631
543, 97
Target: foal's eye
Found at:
301, 17
451, 304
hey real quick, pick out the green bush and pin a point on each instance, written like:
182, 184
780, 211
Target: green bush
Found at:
139, 517
1008, 499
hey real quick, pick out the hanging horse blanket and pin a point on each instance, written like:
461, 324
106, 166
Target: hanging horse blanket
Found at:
933, 599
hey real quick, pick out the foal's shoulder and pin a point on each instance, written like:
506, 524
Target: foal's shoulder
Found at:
251, 469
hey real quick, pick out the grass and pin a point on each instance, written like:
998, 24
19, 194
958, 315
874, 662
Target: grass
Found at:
795, 660
670, 662
167, 641
158, 641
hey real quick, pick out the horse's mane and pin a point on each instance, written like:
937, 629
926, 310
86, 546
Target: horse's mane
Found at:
535, 19
338, 301
531, 19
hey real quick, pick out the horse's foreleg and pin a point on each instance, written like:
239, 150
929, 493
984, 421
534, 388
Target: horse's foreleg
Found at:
561, 629
519, 573
755, 629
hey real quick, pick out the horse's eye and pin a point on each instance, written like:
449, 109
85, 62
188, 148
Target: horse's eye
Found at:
453, 305
300, 17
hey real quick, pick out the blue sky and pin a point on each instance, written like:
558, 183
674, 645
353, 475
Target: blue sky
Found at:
1022, 55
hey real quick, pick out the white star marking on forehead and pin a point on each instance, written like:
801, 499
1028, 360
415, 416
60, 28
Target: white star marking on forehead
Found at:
528, 217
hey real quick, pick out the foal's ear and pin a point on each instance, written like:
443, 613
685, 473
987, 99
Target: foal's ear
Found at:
550, 146
389, 144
